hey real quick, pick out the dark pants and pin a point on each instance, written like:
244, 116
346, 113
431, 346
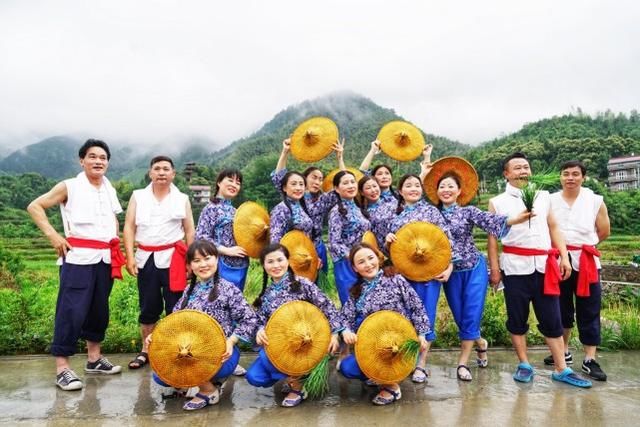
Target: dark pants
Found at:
154, 294
519, 291
82, 310
586, 309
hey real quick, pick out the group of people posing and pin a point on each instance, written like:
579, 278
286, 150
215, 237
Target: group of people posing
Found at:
548, 260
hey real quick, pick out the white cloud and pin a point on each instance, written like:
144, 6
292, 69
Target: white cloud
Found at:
155, 71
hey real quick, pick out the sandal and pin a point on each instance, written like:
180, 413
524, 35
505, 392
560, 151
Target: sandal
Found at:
290, 403
463, 377
139, 361
482, 363
420, 375
524, 373
379, 400
571, 378
206, 400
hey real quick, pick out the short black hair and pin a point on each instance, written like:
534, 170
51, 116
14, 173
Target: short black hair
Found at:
516, 155
157, 159
82, 152
574, 164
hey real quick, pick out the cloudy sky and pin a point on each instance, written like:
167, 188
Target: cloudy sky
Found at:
158, 71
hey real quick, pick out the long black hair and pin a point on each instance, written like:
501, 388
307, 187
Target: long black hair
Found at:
401, 201
356, 289
294, 284
225, 173
285, 199
336, 180
202, 248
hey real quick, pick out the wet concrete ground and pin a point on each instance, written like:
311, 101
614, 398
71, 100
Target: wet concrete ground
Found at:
28, 396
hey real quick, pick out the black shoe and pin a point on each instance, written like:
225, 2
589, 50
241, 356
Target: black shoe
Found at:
102, 366
568, 359
592, 369
68, 380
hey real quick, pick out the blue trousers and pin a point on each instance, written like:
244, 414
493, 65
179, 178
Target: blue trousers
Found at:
321, 249
82, 309
235, 275
466, 292
429, 293
225, 371
345, 278
262, 373
350, 369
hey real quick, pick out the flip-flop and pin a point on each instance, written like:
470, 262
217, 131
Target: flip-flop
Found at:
571, 378
139, 361
379, 400
524, 373
462, 378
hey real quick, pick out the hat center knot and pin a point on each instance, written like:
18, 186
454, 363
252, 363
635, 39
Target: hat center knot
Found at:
403, 138
184, 351
395, 349
311, 135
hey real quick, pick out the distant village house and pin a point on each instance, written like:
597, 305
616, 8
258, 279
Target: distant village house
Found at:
624, 173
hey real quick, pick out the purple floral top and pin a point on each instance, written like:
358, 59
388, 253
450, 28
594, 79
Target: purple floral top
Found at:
279, 293
420, 211
386, 293
344, 232
216, 225
284, 220
460, 222
318, 205
381, 214
230, 308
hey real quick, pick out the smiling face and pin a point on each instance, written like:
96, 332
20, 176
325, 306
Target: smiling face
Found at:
411, 190
276, 265
448, 191
383, 177
366, 263
517, 172
370, 190
571, 178
294, 187
162, 173
229, 187
95, 162
204, 266
314, 181
347, 187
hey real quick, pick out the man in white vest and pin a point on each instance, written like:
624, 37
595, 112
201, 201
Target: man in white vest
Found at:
159, 219
584, 221
89, 259
529, 269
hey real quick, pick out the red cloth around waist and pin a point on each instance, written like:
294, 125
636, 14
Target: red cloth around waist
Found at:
178, 266
117, 257
552, 270
588, 270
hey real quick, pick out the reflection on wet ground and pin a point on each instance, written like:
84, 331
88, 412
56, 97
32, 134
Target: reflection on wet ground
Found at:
28, 396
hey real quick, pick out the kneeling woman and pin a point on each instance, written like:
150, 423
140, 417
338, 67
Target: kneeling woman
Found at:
285, 287
373, 292
223, 301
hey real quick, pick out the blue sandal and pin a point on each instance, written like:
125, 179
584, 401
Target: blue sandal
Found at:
379, 400
290, 403
524, 373
571, 378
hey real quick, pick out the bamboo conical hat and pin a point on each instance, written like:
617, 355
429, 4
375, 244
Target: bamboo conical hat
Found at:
251, 228
421, 252
465, 172
377, 349
401, 140
303, 257
369, 238
187, 348
327, 182
299, 335
313, 139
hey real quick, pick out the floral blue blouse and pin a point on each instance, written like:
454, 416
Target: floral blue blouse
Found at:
284, 220
345, 231
216, 225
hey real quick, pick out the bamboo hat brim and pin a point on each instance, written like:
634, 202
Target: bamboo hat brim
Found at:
313, 139
327, 182
303, 257
458, 166
369, 238
251, 228
299, 335
187, 348
421, 252
401, 141
380, 338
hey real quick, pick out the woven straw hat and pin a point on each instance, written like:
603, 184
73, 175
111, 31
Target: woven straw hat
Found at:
401, 140
187, 348
421, 251
465, 172
380, 338
303, 257
299, 336
369, 238
313, 139
251, 228
327, 182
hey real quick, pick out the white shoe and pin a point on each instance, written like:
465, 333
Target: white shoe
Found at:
239, 371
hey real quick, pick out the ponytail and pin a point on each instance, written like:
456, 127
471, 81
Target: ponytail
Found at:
192, 285
214, 292
258, 301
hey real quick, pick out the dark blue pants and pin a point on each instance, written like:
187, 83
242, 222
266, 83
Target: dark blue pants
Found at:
82, 309
466, 292
154, 294
262, 373
519, 292
586, 309
429, 293
225, 371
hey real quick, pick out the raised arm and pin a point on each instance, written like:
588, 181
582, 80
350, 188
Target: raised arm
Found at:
37, 210
284, 154
339, 149
366, 162
425, 164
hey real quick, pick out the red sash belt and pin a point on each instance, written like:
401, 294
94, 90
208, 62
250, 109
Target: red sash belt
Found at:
178, 266
552, 270
588, 272
117, 257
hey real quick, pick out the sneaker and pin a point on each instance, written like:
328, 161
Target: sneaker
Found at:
68, 380
102, 366
239, 371
592, 368
568, 359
